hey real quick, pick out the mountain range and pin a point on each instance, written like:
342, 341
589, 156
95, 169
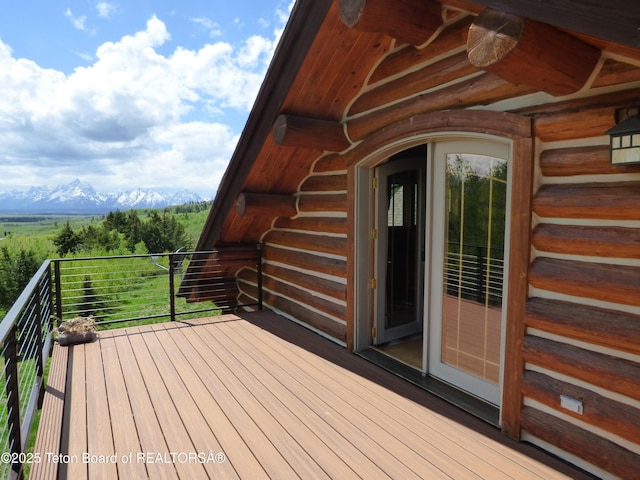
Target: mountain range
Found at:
79, 197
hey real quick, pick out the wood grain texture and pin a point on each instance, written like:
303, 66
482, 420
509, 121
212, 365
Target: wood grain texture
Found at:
308, 242
307, 261
519, 253
325, 183
610, 373
524, 51
598, 326
587, 445
410, 21
49, 435
281, 403
592, 160
602, 201
602, 412
481, 90
605, 241
259, 204
413, 83
311, 133
313, 224
452, 38
334, 202
598, 281
614, 73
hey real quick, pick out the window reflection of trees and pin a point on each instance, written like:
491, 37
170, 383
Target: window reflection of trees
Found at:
476, 210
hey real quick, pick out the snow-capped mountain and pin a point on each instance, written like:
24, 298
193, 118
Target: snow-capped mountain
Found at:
80, 197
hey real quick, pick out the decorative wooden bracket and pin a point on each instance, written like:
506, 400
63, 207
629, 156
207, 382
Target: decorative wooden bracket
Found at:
527, 52
410, 21
265, 204
293, 131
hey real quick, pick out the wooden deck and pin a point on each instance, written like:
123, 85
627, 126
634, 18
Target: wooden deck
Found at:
260, 397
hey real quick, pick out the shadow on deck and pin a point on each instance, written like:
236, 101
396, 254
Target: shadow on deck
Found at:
257, 396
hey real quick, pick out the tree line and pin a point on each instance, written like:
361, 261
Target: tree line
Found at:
16, 271
117, 233
160, 232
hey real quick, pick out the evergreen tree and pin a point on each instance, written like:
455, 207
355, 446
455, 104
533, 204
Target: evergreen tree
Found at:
67, 241
163, 233
16, 272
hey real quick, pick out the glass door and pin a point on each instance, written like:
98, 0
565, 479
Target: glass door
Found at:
400, 258
469, 207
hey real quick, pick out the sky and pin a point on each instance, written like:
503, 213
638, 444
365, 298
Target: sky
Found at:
126, 94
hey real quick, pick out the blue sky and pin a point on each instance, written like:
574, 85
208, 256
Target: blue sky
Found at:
129, 94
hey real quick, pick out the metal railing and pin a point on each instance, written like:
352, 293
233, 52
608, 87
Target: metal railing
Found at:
475, 274
26, 335
115, 291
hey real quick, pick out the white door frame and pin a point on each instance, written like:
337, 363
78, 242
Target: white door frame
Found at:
432, 347
364, 223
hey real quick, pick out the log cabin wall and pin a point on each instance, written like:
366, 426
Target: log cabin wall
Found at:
583, 315
305, 257
581, 329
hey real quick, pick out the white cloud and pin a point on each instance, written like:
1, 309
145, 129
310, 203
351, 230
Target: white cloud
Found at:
77, 22
106, 9
134, 117
212, 27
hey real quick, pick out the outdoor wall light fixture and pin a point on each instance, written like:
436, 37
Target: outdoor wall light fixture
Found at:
625, 139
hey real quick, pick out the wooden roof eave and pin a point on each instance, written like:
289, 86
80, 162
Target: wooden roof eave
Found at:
304, 22
614, 20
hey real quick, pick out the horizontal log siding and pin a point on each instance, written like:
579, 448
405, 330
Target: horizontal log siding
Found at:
304, 258
583, 319
582, 443
609, 415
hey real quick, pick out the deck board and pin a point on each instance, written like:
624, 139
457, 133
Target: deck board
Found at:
99, 432
125, 435
277, 400
50, 426
76, 416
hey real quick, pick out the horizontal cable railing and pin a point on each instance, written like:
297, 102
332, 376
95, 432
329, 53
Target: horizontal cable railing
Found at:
26, 335
119, 289
112, 290
475, 274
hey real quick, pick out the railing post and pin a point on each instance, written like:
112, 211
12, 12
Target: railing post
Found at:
52, 302
12, 388
259, 268
57, 283
40, 341
479, 274
172, 288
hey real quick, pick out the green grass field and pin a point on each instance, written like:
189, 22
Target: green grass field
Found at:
36, 232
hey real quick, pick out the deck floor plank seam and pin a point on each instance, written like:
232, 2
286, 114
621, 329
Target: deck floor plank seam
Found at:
359, 435
200, 432
295, 416
147, 423
175, 433
282, 440
426, 441
269, 457
231, 442
363, 417
126, 439
50, 427
76, 412
99, 432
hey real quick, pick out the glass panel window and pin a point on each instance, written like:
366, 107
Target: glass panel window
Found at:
476, 201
